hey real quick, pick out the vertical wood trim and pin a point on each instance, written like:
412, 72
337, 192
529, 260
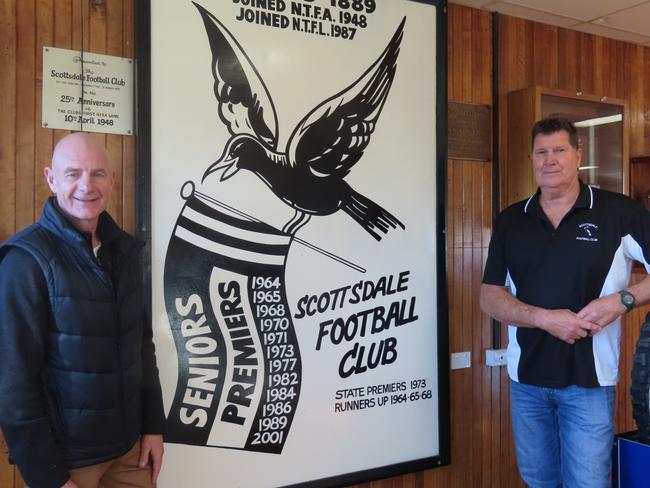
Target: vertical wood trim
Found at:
43, 137
25, 116
635, 93
646, 98
129, 147
62, 39
114, 143
8, 74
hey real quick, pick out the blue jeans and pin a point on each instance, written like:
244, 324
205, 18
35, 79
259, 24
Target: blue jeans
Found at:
563, 436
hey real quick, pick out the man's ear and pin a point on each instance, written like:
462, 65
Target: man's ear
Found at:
49, 177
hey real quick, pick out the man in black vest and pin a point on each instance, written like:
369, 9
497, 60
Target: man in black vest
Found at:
80, 398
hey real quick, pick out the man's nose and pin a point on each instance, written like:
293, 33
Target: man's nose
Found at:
551, 157
85, 183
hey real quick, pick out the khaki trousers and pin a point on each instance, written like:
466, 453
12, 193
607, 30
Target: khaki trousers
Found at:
121, 472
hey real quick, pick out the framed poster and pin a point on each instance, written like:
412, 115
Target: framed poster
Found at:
292, 181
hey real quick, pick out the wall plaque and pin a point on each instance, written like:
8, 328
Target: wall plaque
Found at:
92, 93
469, 131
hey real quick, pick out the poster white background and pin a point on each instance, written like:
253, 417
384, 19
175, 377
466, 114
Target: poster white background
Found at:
397, 171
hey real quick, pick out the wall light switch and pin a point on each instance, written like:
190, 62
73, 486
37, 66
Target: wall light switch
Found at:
460, 360
496, 357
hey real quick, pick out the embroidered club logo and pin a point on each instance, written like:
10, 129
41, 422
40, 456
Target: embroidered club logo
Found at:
587, 232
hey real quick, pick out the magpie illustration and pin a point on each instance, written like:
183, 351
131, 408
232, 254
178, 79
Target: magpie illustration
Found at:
309, 175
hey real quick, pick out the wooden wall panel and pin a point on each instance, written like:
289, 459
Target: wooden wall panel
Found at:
25, 74
645, 122
482, 451
8, 43
43, 137
530, 53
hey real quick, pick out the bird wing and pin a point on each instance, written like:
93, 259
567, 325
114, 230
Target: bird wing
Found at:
332, 137
245, 105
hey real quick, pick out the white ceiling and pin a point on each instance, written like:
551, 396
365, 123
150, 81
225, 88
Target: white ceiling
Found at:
626, 20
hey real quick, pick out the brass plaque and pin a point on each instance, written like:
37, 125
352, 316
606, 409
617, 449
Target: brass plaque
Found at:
469, 134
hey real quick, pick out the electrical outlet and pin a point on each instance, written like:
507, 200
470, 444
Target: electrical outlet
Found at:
496, 357
461, 360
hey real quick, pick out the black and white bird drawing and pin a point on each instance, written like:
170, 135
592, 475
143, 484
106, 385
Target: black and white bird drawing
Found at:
323, 148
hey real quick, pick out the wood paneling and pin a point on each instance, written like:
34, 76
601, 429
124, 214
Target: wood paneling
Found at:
482, 450
8, 41
25, 147
530, 54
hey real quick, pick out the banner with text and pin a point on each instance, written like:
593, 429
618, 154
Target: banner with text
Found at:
294, 237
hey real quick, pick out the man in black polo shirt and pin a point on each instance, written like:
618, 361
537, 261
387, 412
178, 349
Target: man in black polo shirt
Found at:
557, 272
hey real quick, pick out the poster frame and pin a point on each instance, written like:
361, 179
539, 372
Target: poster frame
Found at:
143, 214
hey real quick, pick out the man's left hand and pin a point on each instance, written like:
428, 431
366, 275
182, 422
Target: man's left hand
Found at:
604, 310
152, 446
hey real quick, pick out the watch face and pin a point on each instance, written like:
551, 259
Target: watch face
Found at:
627, 299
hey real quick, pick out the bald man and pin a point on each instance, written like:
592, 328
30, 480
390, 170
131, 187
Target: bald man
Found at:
80, 398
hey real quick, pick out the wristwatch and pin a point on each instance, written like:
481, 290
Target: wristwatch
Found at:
627, 299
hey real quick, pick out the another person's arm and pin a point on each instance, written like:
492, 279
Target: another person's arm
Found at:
23, 334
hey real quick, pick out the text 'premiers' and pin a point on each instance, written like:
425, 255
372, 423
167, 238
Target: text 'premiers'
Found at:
371, 396
339, 19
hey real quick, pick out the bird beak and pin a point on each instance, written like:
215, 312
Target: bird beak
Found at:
228, 165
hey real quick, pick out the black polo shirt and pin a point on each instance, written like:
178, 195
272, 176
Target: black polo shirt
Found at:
588, 255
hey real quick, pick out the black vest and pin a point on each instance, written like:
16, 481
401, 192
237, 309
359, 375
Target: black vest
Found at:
92, 375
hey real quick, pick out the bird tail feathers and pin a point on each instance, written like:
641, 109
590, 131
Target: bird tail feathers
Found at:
369, 215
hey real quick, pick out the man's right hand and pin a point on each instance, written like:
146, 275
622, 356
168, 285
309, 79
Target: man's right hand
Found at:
565, 325
70, 484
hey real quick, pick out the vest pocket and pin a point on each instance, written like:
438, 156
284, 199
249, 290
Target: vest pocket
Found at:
53, 408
